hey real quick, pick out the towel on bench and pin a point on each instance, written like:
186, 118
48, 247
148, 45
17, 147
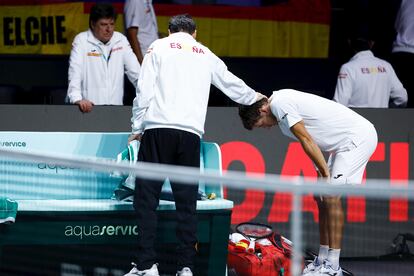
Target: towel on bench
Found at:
8, 210
126, 187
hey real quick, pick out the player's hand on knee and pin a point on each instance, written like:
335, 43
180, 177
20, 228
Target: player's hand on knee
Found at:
323, 178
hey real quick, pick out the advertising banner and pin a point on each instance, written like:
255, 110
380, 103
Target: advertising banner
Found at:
41, 29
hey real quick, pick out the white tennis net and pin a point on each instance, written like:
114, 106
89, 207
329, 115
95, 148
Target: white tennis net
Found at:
96, 170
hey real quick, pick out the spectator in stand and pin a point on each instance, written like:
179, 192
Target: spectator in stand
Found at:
141, 25
98, 60
367, 81
403, 47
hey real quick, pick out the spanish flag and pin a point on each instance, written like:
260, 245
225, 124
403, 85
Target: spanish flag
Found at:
295, 29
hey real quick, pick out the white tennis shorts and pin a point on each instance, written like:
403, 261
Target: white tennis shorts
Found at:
348, 166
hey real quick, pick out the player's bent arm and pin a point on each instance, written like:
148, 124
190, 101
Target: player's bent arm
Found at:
311, 148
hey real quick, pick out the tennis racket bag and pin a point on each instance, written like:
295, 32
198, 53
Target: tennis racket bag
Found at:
256, 250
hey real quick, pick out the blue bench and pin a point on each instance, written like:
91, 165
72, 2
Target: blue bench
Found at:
61, 205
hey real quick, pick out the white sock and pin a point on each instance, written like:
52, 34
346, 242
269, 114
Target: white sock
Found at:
333, 257
323, 253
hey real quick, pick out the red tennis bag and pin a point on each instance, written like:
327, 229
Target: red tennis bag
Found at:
269, 254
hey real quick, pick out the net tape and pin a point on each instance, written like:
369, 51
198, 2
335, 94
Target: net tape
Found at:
378, 188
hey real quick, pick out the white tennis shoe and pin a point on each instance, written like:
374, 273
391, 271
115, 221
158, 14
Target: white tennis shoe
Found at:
184, 272
328, 270
153, 271
313, 268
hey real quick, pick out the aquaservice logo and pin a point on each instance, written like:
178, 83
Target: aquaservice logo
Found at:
91, 231
13, 144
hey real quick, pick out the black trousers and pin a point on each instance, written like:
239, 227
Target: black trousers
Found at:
174, 147
403, 65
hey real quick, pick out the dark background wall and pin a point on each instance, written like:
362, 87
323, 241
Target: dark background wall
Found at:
41, 77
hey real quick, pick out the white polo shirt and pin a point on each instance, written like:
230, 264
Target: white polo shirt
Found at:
140, 13
367, 81
332, 126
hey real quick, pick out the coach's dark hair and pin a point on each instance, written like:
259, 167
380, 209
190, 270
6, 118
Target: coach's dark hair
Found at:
101, 10
182, 23
360, 39
360, 44
250, 114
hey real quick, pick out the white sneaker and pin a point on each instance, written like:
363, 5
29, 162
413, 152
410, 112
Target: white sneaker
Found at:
312, 268
327, 269
184, 272
153, 271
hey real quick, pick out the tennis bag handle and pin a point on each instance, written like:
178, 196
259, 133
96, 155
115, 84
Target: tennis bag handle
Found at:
276, 239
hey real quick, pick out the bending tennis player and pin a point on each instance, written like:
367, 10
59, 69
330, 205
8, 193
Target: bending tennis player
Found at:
320, 125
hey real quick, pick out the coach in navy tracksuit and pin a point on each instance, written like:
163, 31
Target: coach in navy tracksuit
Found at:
168, 117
